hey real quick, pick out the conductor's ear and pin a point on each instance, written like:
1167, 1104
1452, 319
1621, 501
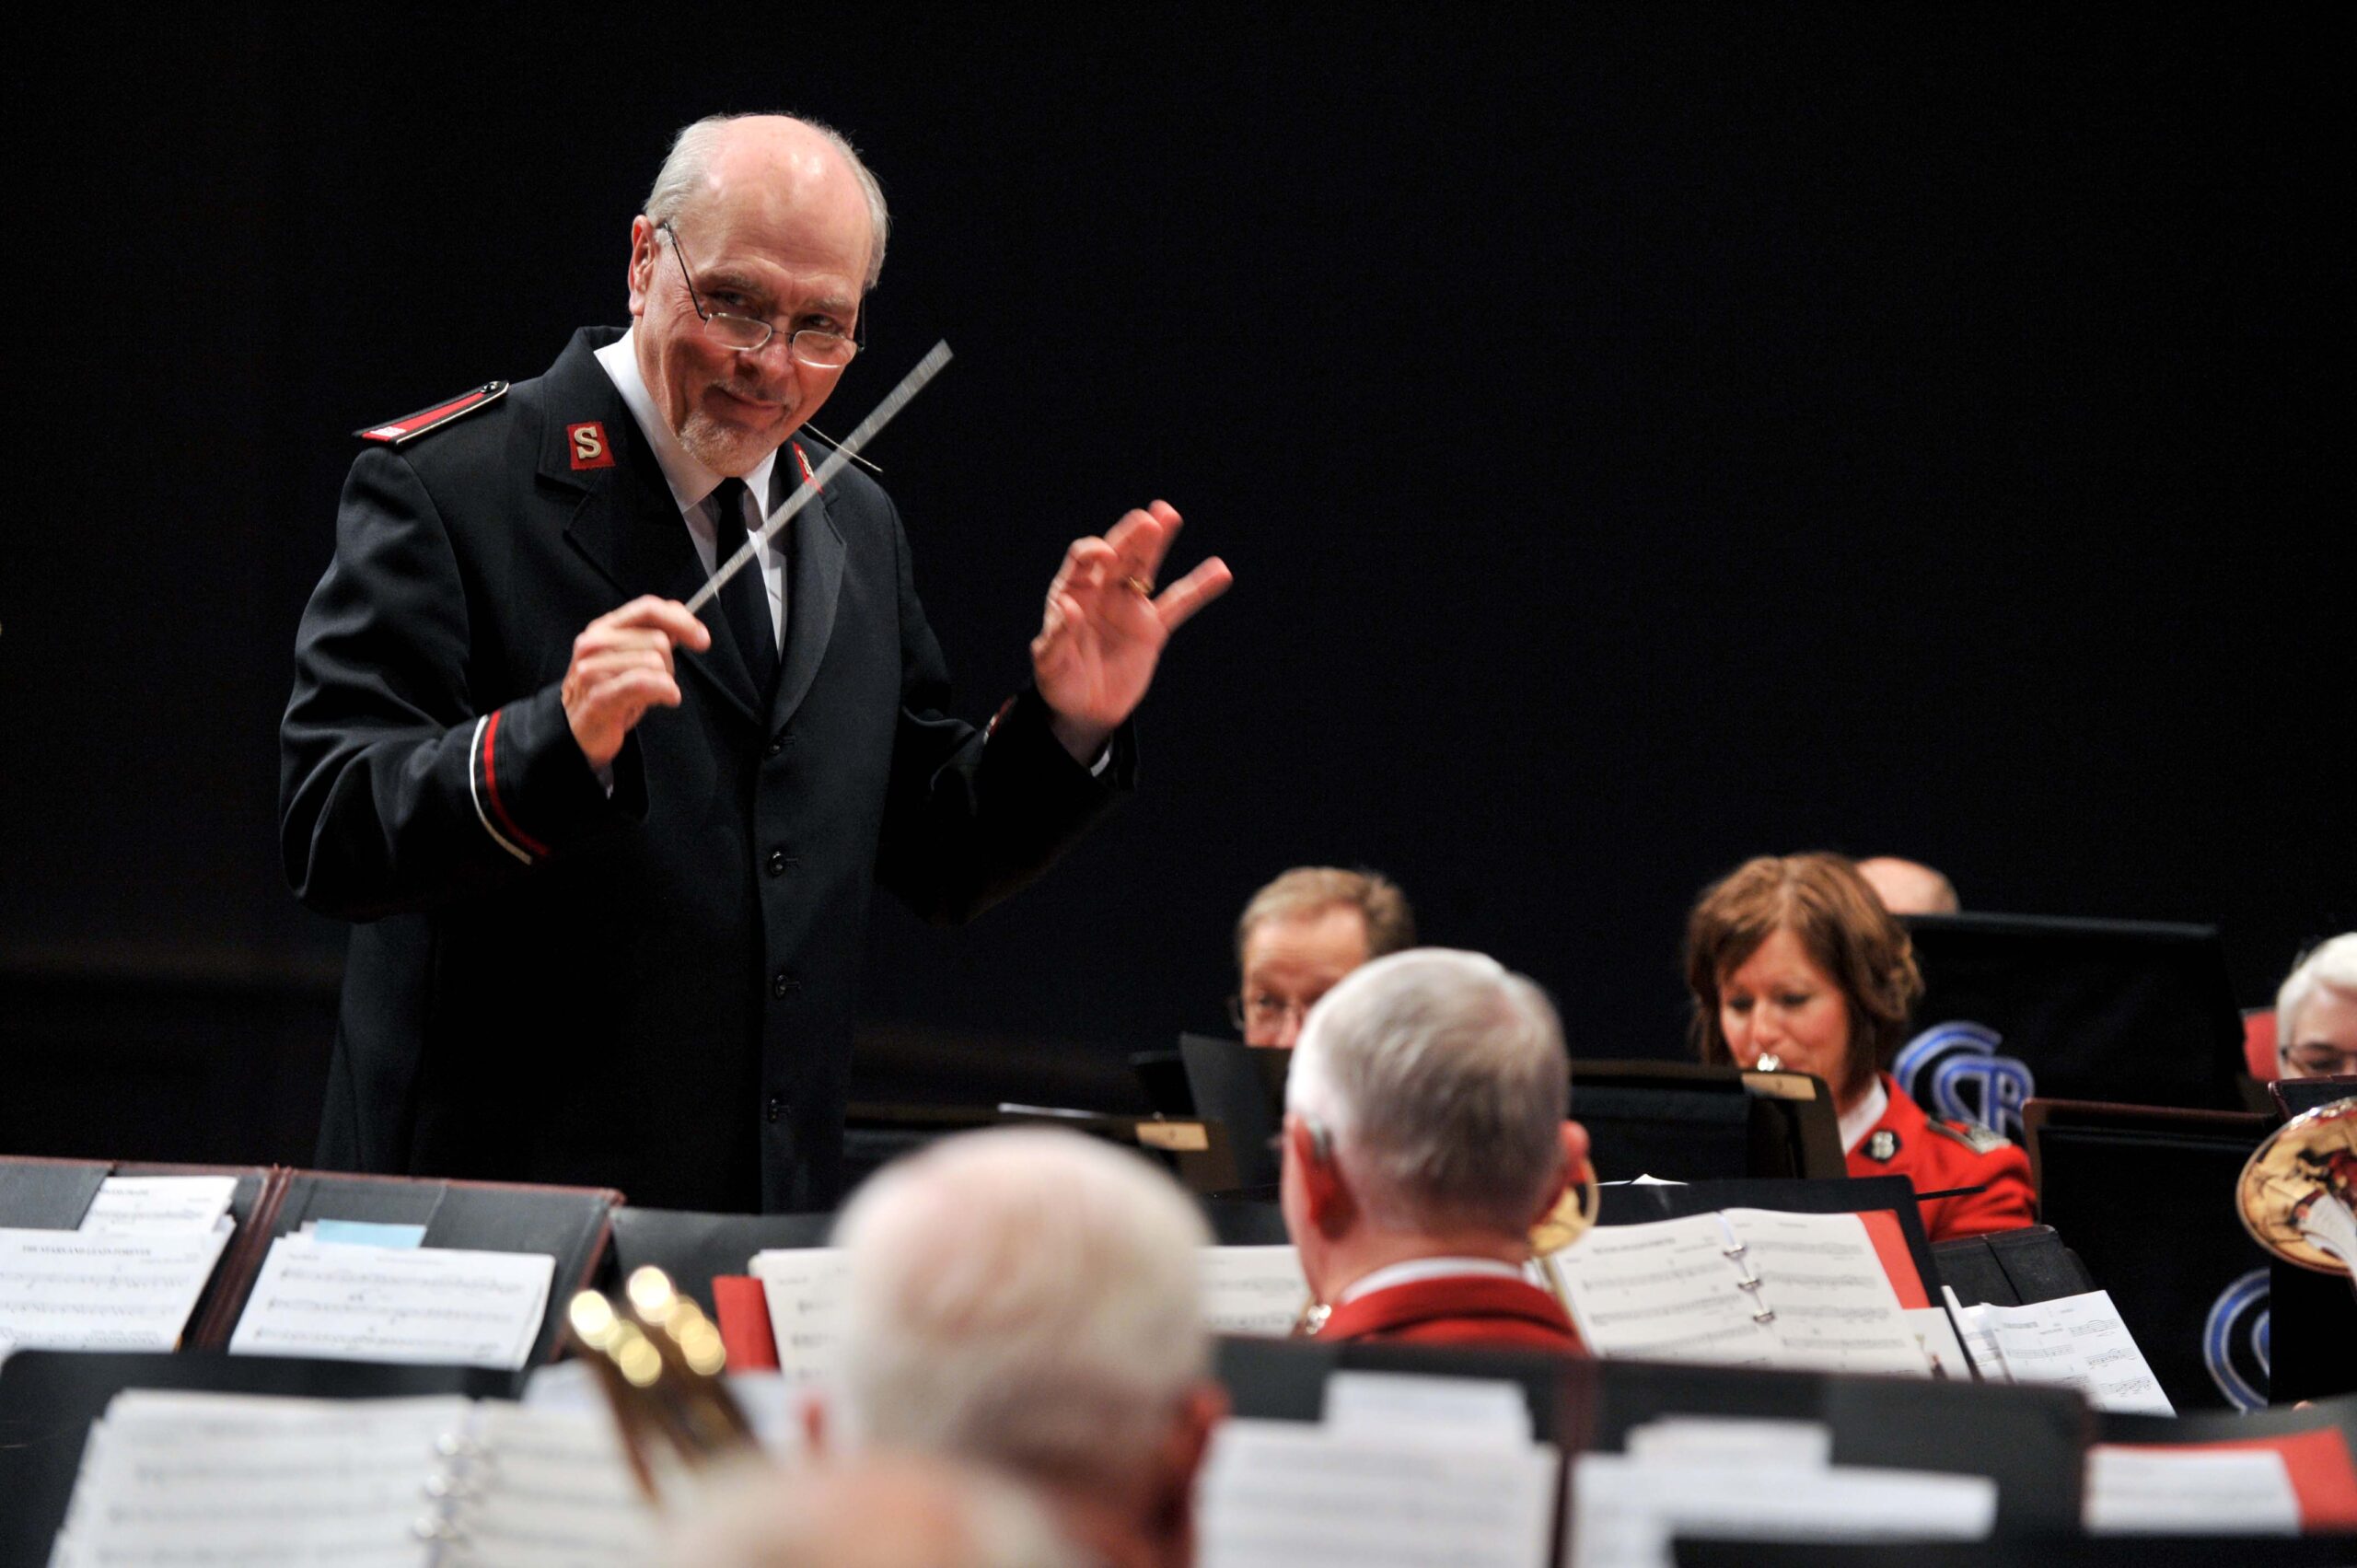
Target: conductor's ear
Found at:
640, 277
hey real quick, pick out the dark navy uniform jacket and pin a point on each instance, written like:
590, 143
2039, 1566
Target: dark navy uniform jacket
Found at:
651, 990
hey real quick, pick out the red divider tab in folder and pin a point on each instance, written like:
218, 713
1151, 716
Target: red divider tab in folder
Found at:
1890, 1246
744, 1313
2323, 1476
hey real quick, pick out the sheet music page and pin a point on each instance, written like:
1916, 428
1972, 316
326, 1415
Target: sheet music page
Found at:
230, 1478
1625, 1511
1834, 1308
549, 1489
1430, 1409
1936, 1335
436, 1305
2078, 1341
1695, 1289
75, 1289
804, 1287
1287, 1494
1731, 1440
1252, 1290
1662, 1290
159, 1203
2141, 1490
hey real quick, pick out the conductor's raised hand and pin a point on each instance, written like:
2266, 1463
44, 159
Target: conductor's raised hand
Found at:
622, 666
1106, 623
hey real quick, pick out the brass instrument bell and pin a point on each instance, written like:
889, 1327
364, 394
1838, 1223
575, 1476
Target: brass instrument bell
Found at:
2297, 1194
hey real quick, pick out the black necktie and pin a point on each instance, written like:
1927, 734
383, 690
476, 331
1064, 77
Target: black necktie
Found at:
745, 600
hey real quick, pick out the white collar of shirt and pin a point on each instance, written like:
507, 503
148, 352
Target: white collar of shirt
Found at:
691, 482
1860, 1119
1416, 1271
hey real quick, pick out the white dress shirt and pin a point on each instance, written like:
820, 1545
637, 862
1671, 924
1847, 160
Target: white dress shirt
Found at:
691, 483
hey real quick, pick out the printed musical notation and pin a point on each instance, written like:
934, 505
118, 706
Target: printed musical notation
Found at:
76, 1290
1251, 1290
1627, 1508
2077, 1341
804, 1289
193, 1204
436, 1305
1746, 1287
1289, 1494
191, 1478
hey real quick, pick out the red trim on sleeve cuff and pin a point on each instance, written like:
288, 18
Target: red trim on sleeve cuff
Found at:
490, 788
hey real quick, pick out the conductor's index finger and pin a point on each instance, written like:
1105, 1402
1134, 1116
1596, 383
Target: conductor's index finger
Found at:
668, 616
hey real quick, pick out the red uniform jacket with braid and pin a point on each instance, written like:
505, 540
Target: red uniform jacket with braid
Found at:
1937, 1156
1464, 1309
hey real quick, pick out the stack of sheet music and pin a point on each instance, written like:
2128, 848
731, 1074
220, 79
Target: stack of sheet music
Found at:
1402, 1472
1246, 1290
128, 1278
440, 1481
2078, 1341
1747, 1287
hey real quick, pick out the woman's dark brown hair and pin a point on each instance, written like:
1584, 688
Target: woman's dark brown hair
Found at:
1842, 927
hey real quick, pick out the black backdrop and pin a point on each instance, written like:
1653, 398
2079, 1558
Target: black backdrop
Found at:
1643, 437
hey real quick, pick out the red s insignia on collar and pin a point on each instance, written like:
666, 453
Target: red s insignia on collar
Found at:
590, 448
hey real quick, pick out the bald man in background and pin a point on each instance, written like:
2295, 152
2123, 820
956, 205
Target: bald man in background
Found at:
1906, 887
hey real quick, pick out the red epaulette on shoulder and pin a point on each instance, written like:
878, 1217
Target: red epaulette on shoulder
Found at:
392, 432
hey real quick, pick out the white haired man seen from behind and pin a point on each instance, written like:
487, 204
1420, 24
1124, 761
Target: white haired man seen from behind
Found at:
1027, 1299
1424, 1135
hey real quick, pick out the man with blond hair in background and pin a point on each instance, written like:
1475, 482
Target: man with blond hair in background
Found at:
1303, 933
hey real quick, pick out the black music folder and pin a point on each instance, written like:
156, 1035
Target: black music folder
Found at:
695, 1248
2046, 1550
1242, 1087
2145, 1196
2012, 1268
1640, 1204
1678, 1121
2291, 1096
2069, 1009
1200, 1154
1684, 1122
2030, 1441
569, 1224
54, 1194
48, 1399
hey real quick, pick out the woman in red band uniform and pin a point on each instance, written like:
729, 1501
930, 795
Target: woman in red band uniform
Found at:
1792, 961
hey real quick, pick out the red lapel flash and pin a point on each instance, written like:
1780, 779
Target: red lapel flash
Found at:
590, 448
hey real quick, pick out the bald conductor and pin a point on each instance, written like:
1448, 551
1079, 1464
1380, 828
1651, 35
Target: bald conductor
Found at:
609, 862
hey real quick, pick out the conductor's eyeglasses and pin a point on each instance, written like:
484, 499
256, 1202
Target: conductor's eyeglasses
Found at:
819, 348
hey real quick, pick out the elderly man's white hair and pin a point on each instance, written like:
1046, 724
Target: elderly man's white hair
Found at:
1023, 1296
1441, 1079
2331, 965
874, 1511
689, 167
